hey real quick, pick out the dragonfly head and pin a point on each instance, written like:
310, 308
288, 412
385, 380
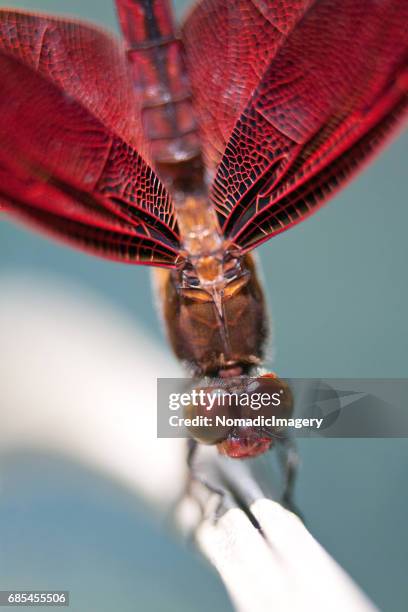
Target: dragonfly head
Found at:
241, 413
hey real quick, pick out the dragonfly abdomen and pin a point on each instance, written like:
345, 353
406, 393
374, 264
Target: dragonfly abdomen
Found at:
156, 57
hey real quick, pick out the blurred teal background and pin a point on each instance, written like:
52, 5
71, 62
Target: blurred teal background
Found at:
337, 286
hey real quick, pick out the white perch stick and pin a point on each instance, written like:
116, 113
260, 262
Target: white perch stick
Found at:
79, 378
283, 570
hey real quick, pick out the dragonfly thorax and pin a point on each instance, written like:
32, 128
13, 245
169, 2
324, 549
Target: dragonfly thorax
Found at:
219, 327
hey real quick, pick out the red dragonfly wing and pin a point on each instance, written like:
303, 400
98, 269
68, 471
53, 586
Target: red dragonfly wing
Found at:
69, 128
228, 47
328, 98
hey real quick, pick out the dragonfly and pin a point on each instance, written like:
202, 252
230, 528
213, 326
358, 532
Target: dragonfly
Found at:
185, 147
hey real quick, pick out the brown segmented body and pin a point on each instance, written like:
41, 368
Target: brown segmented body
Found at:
212, 304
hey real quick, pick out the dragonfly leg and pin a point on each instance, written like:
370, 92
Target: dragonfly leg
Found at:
289, 459
194, 475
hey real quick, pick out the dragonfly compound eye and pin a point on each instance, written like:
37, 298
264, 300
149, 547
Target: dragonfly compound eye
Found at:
262, 401
209, 415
